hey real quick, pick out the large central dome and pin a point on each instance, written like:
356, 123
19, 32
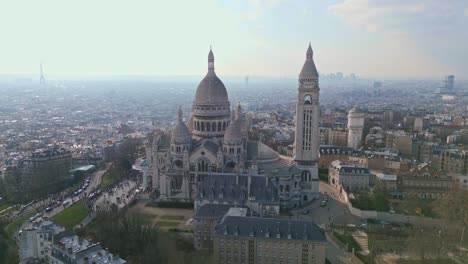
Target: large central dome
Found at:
211, 108
211, 89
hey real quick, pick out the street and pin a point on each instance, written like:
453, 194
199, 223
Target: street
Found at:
337, 212
95, 181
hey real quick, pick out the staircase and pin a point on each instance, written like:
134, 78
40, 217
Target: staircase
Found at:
362, 240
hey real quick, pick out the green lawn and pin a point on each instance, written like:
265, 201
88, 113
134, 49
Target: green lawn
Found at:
7, 211
420, 207
168, 223
73, 188
5, 206
427, 261
73, 215
12, 227
172, 217
349, 240
375, 201
110, 177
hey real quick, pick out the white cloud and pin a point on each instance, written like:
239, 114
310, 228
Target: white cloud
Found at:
374, 17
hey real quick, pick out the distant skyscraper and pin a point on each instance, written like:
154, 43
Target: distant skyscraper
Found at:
449, 82
447, 87
355, 127
42, 79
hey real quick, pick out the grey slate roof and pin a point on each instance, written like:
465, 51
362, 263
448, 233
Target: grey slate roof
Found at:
223, 187
352, 169
272, 228
212, 211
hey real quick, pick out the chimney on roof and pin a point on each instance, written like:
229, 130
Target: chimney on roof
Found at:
266, 181
237, 179
249, 182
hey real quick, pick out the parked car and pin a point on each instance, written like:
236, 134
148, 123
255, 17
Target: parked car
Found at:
49, 209
323, 203
305, 211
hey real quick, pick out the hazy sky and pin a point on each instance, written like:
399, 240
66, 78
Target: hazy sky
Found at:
249, 37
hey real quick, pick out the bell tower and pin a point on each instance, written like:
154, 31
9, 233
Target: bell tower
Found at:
306, 143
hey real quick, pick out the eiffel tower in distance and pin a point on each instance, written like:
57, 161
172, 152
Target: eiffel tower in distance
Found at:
42, 79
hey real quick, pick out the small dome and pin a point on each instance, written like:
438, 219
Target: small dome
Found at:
180, 134
266, 153
355, 109
309, 71
233, 131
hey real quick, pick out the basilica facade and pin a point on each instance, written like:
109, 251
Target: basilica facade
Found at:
213, 149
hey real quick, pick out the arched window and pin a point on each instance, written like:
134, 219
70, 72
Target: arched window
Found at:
203, 166
208, 126
306, 176
219, 126
214, 126
202, 126
224, 125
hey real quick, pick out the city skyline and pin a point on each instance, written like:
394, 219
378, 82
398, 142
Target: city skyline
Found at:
254, 38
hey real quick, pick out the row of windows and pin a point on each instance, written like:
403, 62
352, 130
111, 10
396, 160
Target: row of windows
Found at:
179, 149
211, 108
233, 150
211, 126
307, 130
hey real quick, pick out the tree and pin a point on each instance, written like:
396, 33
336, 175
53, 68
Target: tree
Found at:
127, 153
454, 207
137, 241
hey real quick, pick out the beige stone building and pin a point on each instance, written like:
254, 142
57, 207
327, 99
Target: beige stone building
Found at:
338, 137
452, 160
215, 141
424, 182
255, 240
204, 222
401, 141
348, 176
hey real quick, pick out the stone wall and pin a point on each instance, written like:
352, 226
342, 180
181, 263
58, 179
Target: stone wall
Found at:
396, 218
